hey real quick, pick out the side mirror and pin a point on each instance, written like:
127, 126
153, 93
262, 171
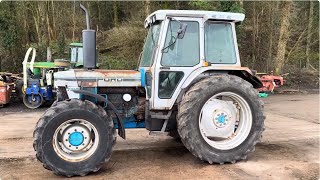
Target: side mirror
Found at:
182, 30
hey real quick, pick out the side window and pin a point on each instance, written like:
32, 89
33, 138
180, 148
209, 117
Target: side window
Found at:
148, 84
219, 44
73, 53
185, 52
168, 81
80, 55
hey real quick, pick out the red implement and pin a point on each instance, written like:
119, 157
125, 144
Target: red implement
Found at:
270, 82
5, 93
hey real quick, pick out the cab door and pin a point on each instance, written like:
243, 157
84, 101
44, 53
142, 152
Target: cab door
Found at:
176, 60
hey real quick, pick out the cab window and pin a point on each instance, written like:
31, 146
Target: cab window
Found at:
219, 43
168, 82
185, 52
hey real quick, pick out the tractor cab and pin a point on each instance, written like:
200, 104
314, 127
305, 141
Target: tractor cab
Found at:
181, 45
76, 54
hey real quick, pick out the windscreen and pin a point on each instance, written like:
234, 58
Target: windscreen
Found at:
149, 45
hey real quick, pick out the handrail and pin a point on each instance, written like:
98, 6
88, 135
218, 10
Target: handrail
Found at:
25, 63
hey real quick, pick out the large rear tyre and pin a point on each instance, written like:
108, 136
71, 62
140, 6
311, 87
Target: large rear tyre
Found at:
74, 137
220, 119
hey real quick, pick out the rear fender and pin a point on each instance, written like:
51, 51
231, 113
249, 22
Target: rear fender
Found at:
197, 75
243, 72
248, 76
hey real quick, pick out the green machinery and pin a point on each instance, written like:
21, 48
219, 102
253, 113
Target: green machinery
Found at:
37, 85
76, 54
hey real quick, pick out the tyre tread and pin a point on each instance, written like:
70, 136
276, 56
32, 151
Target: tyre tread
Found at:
190, 100
59, 107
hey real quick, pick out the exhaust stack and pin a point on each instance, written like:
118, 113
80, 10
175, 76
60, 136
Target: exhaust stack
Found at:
89, 43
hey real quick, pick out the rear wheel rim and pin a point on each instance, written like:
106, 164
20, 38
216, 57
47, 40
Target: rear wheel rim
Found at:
75, 140
243, 121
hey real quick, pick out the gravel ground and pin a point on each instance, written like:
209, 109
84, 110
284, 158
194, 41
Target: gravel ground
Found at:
19, 107
289, 148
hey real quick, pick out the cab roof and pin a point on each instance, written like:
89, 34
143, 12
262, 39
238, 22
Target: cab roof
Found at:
213, 15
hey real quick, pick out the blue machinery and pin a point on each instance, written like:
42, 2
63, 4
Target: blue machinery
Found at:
129, 121
36, 95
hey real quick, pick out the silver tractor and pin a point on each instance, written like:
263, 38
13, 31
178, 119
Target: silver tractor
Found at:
189, 84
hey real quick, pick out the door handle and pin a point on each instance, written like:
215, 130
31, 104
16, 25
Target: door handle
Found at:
163, 67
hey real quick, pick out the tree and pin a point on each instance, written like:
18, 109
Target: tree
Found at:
284, 35
147, 7
115, 14
231, 6
10, 37
264, 37
308, 65
271, 24
61, 42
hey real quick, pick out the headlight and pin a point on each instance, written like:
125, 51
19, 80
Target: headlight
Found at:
126, 97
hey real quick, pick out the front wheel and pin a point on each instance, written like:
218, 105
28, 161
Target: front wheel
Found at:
220, 119
33, 101
74, 138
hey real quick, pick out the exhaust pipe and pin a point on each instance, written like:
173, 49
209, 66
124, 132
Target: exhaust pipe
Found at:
88, 43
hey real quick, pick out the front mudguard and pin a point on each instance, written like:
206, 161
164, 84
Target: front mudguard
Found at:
121, 130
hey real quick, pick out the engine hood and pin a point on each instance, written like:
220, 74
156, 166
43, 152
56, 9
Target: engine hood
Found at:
98, 78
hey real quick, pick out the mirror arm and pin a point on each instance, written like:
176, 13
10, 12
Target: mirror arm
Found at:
175, 40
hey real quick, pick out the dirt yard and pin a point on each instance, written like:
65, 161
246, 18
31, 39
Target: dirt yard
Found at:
289, 150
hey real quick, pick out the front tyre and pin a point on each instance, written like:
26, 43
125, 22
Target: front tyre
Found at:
220, 119
32, 101
74, 137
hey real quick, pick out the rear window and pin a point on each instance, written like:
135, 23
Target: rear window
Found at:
219, 43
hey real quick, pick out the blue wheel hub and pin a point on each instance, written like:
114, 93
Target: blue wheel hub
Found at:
76, 138
221, 119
